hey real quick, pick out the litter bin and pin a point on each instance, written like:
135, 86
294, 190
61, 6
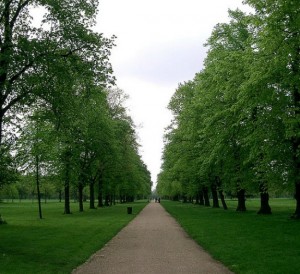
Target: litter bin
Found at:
129, 210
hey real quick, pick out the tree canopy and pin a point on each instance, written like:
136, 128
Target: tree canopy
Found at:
236, 123
61, 117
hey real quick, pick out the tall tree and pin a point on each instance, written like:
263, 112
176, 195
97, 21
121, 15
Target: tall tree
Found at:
36, 151
26, 50
278, 70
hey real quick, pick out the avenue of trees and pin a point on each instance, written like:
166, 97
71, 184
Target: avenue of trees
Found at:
63, 125
236, 127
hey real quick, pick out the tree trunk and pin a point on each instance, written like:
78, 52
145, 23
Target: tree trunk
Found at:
295, 140
92, 195
222, 197
38, 186
80, 196
201, 197
67, 198
296, 215
175, 198
221, 194
264, 204
106, 200
1, 122
1, 126
100, 191
264, 200
67, 183
60, 195
215, 195
205, 196
241, 200
129, 198
296, 146
45, 196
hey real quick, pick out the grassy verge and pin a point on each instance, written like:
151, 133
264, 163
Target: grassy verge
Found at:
58, 243
245, 242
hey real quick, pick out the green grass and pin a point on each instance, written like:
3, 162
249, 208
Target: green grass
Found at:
245, 242
58, 243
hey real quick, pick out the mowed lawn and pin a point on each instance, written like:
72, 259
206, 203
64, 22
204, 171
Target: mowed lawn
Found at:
245, 242
58, 243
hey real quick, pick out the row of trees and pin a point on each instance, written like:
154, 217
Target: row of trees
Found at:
61, 119
236, 127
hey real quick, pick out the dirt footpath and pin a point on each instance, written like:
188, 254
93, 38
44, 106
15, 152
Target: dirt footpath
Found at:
152, 243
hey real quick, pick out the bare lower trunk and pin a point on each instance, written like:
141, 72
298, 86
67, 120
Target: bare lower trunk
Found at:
222, 197
296, 215
241, 200
205, 196
38, 186
201, 197
92, 195
295, 140
1, 127
60, 195
106, 200
215, 196
67, 198
221, 194
264, 204
264, 200
67, 182
175, 198
100, 192
80, 196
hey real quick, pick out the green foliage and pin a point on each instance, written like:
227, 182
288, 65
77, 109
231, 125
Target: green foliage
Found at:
55, 93
8, 172
238, 239
58, 243
238, 119
38, 57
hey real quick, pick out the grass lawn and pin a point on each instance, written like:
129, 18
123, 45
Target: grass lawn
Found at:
245, 242
58, 243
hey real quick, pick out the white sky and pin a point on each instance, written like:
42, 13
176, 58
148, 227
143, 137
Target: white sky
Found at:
159, 45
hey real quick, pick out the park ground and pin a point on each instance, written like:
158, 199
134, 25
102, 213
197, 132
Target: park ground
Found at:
244, 242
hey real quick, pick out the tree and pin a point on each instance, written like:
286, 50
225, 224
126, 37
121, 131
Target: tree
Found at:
33, 55
242, 118
36, 152
26, 50
278, 72
180, 155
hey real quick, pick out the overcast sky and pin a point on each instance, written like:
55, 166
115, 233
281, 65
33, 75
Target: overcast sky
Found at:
159, 45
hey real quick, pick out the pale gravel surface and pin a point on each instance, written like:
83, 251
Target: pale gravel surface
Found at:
152, 243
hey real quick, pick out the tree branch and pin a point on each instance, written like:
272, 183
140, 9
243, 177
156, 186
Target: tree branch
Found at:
7, 4
70, 52
16, 100
19, 9
18, 74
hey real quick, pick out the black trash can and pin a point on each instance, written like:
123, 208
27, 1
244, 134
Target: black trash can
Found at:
129, 210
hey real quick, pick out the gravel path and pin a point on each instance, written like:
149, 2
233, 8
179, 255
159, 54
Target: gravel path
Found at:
152, 243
